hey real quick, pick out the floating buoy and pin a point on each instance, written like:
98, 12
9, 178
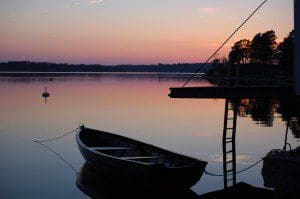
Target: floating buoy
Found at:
46, 94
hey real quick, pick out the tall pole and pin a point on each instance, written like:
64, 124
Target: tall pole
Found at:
297, 46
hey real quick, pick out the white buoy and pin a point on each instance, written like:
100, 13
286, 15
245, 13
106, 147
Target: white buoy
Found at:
46, 94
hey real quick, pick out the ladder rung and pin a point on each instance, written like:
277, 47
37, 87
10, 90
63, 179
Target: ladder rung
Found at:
229, 138
230, 179
229, 128
229, 151
229, 162
229, 171
228, 142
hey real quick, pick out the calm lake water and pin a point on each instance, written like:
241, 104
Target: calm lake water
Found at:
132, 105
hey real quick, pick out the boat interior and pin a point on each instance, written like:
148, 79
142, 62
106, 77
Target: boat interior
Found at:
131, 150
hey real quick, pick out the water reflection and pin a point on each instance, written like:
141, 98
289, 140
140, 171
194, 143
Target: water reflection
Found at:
92, 183
136, 107
260, 110
45, 98
67, 77
264, 111
281, 168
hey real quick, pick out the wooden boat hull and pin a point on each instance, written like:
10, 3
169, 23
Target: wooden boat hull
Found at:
156, 176
281, 171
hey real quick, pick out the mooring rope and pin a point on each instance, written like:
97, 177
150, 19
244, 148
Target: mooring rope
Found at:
41, 142
224, 43
57, 138
241, 171
59, 156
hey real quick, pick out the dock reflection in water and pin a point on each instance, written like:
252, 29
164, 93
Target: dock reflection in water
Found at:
94, 185
281, 167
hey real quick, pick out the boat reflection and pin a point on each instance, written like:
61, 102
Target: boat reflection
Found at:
94, 185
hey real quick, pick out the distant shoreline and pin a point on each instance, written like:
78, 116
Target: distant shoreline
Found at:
26, 67
148, 73
50, 74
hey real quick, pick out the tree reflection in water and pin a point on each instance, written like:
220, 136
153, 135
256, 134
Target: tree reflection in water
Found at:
263, 111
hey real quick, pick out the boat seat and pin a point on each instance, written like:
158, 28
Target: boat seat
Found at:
109, 148
140, 158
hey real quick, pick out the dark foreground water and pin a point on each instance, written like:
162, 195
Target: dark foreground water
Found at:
133, 105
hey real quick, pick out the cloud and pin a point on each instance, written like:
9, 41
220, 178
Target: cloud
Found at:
239, 158
208, 10
45, 12
80, 2
95, 1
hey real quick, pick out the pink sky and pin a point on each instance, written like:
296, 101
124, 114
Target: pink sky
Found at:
130, 31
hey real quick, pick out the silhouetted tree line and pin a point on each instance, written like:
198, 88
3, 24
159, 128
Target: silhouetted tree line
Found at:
26, 66
260, 61
263, 49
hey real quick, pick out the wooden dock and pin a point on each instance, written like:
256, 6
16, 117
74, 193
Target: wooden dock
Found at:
223, 92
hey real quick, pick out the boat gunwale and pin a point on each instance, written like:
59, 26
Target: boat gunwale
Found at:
79, 142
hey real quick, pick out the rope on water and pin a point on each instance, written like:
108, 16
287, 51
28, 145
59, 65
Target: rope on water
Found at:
241, 171
213, 174
253, 165
57, 138
59, 156
225, 42
41, 142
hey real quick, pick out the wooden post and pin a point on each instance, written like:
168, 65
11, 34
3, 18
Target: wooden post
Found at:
237, 76
230, 64
297, 46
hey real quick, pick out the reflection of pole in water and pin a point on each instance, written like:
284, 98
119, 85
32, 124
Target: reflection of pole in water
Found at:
286, 136
297, 46
229, 151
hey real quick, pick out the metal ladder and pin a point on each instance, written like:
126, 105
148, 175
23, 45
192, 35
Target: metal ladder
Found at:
229, 150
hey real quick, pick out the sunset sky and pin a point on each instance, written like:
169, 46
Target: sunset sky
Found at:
131, 31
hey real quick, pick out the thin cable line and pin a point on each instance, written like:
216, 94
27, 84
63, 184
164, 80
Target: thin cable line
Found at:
241, 171
59, 156
57, 138
236, 30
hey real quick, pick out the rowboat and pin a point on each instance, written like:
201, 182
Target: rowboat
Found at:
129, 162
